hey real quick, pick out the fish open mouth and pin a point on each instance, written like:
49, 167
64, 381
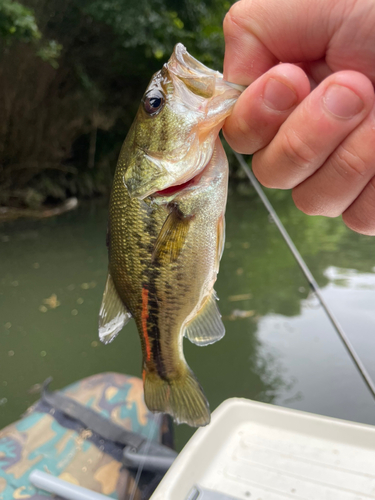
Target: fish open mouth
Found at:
176, 188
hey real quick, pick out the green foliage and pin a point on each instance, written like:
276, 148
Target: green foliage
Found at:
50, 52
157, 25
17, 22
72, 81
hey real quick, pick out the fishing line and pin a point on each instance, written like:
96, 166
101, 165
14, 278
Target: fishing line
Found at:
310, 278
157, 419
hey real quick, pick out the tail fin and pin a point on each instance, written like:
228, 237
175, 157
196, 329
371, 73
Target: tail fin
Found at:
182, 397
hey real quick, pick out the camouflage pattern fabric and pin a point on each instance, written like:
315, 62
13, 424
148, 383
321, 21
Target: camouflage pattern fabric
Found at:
40, 441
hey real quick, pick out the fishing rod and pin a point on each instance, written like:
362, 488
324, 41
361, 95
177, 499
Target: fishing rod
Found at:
310, 278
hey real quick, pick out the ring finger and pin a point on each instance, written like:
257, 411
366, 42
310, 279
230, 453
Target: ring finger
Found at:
343, 176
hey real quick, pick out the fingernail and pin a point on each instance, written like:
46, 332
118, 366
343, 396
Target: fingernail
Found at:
342, 102
278, 96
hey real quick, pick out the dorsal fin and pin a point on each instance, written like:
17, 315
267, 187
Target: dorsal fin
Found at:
171, 238
113, 314
206, 327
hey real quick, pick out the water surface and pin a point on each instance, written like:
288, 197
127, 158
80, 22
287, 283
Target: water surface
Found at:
279, 347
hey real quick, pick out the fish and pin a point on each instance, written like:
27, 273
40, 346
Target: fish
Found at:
166, 230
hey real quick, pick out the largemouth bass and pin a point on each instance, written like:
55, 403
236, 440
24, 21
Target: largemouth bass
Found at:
166, 230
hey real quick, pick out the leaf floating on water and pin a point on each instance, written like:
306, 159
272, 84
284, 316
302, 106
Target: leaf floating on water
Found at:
43, 309
239, 314
35, 389
51, 302
237, 298
86, 286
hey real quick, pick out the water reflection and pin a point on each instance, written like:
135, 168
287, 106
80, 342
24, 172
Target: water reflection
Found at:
279, 345
350, 278
292, 326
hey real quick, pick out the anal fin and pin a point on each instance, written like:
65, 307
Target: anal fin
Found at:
113, 314
206, 327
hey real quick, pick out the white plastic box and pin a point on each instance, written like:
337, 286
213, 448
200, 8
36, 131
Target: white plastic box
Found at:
256, 451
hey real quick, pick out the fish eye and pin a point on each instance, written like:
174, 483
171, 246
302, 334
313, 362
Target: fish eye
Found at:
153, 102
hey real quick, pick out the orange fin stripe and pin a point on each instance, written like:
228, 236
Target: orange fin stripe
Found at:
144, 322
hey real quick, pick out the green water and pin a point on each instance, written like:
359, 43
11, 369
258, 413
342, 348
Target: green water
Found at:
279, 346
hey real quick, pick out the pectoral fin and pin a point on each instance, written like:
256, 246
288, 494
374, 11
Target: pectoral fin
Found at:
171, 238
113, 315
207, 327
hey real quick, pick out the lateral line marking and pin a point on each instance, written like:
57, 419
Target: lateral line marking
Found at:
144, 317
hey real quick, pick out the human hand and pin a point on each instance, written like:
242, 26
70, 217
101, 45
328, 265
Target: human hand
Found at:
320, 142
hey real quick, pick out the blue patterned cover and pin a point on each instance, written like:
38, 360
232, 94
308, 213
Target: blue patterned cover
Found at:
39, 441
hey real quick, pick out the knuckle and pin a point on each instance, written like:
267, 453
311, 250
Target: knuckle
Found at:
260, 172
360, 216
349, 165
298, 152
239, 135
355, 223
230, 26
315, 202
333, 211
234, 21
306, 204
